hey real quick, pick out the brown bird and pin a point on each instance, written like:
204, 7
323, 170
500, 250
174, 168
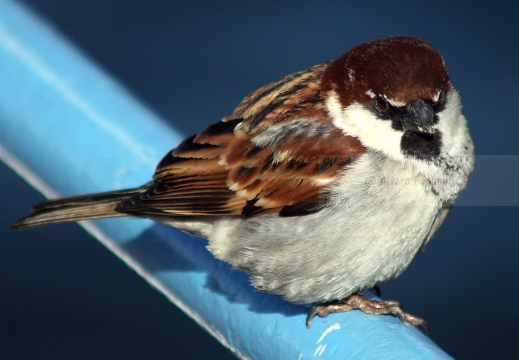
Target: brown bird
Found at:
319, 185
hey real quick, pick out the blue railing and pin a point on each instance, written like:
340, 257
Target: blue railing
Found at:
66, 127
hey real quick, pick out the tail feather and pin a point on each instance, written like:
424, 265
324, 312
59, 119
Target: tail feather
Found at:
74, 208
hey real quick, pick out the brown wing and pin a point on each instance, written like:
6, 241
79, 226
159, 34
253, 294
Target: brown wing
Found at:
277, 152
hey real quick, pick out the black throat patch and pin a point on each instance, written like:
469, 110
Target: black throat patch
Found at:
421, 146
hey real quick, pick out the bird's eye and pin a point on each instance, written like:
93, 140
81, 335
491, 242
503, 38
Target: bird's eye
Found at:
381, 105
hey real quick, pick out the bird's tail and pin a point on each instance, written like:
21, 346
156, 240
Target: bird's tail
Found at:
74, 208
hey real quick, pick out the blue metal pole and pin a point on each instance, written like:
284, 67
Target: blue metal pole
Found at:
67, 128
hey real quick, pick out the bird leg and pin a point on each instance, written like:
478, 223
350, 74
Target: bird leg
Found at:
367, 306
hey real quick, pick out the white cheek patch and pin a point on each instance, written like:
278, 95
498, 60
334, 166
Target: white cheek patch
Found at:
452, 123
374, 133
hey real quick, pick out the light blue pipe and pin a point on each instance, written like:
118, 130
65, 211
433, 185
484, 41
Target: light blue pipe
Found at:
68, 128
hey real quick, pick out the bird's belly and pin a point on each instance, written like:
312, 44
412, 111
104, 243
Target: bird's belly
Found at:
353, 244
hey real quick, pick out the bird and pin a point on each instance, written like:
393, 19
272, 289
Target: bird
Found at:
320, 185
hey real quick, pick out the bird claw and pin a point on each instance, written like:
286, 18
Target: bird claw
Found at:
367, 306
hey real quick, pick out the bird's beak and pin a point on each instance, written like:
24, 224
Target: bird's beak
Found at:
420, 118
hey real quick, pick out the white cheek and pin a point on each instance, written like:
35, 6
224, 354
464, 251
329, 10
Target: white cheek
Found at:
452, 124
372, 132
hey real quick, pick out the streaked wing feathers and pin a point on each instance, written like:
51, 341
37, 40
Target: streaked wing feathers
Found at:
275, 153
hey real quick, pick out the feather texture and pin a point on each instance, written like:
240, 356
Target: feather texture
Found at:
278, 149
74, 208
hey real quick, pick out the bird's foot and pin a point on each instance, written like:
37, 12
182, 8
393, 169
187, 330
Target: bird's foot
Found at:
367, 306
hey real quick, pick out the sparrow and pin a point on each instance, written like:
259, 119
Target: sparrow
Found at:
319, 185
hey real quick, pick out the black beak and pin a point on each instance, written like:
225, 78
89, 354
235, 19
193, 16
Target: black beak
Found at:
420, 118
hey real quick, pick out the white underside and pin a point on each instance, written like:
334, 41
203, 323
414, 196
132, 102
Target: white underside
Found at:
353, 244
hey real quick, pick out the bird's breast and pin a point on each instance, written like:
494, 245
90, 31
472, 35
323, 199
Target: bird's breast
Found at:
375, 223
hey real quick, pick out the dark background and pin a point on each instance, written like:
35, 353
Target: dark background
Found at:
64, 296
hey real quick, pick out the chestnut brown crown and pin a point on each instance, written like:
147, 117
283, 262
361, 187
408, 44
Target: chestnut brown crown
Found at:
400, 68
